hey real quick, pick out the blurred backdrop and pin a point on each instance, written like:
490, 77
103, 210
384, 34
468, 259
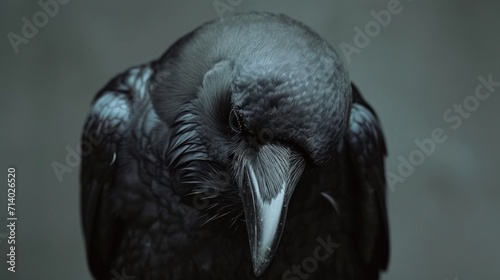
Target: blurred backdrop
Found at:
419, 69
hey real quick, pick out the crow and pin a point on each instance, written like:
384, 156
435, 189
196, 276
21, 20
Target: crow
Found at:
243, 152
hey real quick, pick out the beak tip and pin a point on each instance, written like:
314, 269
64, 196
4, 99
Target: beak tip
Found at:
257, 271
259, 265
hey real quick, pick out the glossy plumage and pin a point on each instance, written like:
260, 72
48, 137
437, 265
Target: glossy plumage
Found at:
166, 144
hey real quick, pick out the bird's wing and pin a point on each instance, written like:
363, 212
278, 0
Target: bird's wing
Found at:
103, 133
367, 150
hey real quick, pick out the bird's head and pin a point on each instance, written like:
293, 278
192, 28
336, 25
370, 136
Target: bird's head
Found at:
263, 101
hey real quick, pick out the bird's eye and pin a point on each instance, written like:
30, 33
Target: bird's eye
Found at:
235, 121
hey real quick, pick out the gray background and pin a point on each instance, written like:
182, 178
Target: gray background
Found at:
444, 218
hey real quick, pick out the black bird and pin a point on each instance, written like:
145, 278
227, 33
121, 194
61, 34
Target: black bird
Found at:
244, 152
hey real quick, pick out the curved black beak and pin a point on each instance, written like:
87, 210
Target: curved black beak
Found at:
269, 178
